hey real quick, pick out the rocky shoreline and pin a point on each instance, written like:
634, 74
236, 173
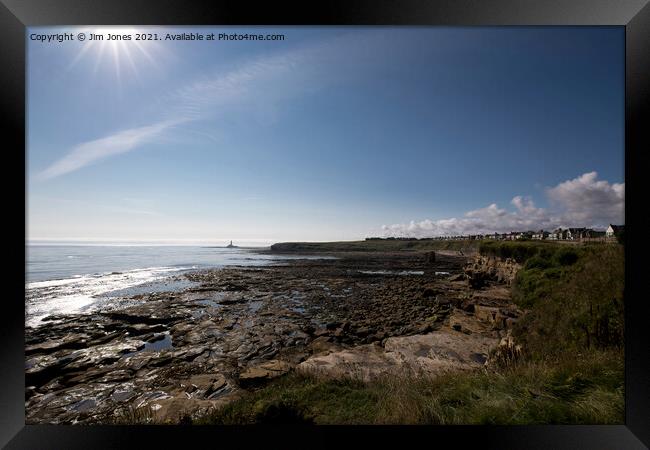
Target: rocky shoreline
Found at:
180, 354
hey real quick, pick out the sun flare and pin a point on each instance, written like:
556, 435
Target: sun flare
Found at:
126, 49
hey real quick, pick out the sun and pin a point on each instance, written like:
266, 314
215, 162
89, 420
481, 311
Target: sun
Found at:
126, 49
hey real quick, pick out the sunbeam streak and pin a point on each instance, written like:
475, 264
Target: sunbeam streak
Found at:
126, 56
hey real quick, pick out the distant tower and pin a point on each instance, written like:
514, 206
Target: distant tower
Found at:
230, 245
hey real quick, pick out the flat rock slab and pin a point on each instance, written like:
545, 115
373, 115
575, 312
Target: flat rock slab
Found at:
169, 410
425, 354
264, 372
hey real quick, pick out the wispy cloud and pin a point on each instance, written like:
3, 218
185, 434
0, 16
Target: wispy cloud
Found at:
259, 82
91, 152
192, 102
200, 98
582, 201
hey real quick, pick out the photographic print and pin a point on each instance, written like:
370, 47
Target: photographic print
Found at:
325, 225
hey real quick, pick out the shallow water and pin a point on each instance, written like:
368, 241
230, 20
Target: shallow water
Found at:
392, 272
161, 344
156, 346
70, 279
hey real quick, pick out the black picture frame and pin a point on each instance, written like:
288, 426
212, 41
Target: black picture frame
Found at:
634, 15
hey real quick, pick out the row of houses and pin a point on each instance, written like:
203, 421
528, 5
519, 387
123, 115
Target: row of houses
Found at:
572, 234
559, 234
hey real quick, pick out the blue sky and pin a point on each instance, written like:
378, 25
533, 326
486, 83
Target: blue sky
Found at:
332, 133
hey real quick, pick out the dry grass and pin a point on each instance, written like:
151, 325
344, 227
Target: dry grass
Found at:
587, 389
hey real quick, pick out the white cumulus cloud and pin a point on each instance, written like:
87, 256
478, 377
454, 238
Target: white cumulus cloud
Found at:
587, 200
584, 201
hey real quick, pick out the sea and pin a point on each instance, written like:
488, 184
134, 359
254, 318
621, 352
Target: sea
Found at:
71, 279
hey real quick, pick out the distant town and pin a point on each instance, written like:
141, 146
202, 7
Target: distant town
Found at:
613, 232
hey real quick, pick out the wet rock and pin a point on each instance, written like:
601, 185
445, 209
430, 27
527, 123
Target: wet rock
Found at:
160, 361
120, 395
54, 317
84, 405
116, 375
138, 362
141, 329
39, 375
29, 392
233, 287
67, 342
103, 339
232, 301
286, 315
139, 319
156, 338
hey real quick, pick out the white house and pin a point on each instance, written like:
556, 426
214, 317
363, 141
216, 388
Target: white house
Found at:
558, 234
540, 235
575, 233
613, 230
